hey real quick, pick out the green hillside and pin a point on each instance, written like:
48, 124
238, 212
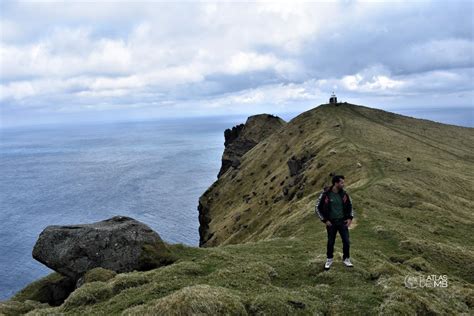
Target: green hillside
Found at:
263, 249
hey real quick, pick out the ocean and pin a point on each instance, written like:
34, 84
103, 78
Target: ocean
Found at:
461, 116
153, 171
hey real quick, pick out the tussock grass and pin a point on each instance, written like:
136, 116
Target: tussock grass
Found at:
200, 299
99, 274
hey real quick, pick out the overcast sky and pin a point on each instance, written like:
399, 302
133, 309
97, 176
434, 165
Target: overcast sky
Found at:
65, 62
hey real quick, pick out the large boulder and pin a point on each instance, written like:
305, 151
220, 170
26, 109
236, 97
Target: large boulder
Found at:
120, 244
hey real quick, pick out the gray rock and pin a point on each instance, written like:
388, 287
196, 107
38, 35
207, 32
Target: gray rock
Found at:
120, 244
295, 165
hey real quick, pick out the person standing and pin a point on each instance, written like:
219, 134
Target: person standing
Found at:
334, 208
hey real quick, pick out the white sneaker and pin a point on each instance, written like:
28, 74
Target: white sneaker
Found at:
328, 263
347, 262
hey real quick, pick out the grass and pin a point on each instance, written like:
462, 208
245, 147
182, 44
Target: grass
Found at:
272, 277
266, 254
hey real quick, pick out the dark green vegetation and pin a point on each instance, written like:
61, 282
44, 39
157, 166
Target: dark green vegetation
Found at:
266, 255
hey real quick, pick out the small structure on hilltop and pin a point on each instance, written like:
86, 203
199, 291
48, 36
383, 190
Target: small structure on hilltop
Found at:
333, 99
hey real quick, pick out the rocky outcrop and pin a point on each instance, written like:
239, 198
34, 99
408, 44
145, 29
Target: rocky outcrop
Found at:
243, 137
120, 244
204, 216
238, 141
52, 289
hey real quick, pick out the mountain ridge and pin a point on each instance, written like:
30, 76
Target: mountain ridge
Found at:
343, 134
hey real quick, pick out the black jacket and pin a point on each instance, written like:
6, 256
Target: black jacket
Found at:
323, 204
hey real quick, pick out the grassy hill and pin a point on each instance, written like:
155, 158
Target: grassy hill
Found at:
411, 182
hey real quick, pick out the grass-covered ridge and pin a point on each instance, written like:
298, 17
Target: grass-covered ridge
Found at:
267, 252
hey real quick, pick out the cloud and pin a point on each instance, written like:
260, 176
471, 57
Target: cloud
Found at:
201, 56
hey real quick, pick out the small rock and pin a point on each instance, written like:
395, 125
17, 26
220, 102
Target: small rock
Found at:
297, 304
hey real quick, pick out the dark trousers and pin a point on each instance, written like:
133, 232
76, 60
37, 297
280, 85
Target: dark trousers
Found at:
332, 232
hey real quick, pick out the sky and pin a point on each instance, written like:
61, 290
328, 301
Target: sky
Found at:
71, 61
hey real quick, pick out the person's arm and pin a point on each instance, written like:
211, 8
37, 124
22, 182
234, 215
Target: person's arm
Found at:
348, 218
351, 210
319, 205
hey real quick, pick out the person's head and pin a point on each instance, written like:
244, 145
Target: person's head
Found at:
338, 181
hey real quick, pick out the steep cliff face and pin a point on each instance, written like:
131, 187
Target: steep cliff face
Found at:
238, 141
243, 137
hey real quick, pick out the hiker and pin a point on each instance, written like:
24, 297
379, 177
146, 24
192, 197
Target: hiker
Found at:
334, 208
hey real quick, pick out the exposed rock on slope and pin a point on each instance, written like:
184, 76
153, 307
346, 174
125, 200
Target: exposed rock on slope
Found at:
51, 290
120, 244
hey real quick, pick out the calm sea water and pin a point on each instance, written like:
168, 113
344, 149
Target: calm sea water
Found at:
151, 171
461, 116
